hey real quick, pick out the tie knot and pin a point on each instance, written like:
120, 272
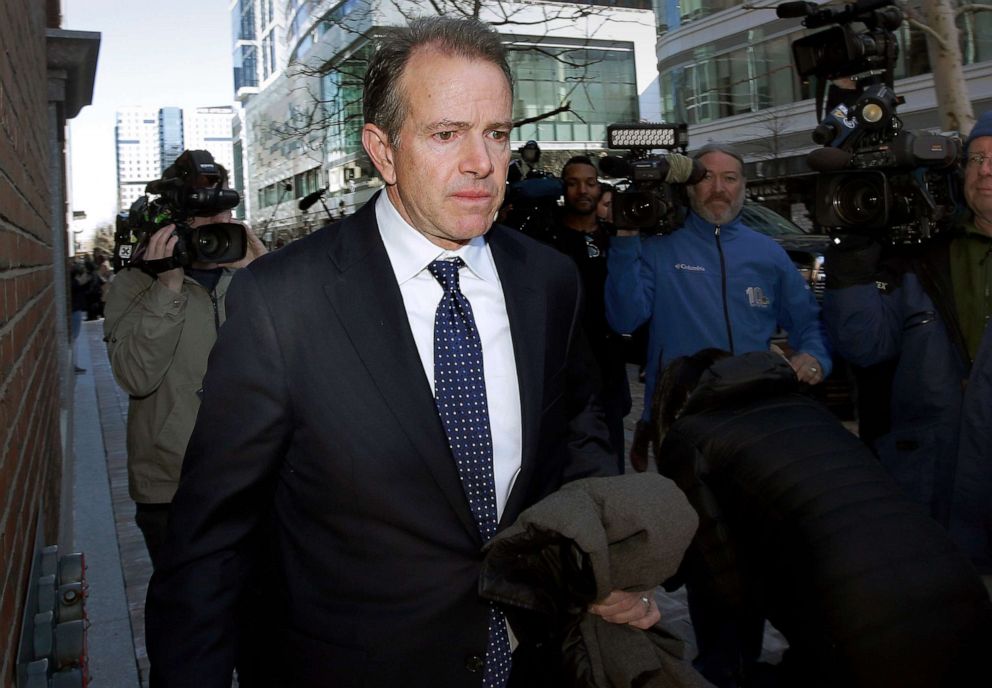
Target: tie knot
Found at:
446, 272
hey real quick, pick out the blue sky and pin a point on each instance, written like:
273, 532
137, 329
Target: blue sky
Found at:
152, 53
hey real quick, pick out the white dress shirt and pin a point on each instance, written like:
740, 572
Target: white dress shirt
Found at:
410, 252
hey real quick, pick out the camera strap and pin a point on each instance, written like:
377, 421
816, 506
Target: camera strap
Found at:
159, 265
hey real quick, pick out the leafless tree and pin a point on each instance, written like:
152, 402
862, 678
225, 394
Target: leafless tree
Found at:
940, 21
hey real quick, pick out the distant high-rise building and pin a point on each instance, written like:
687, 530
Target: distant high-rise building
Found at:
170, 132
210, 128
148, 140
138, 152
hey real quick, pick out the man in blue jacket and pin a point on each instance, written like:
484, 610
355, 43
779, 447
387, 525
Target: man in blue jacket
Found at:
927, 312
714, 282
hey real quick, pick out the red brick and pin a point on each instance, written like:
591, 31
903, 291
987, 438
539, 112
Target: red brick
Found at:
29, 419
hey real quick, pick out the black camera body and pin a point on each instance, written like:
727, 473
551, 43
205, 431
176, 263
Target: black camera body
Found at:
190, 187
907, 189
532, 195
653, 199
875, 177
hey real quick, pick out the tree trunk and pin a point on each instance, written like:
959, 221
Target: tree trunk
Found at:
953, 103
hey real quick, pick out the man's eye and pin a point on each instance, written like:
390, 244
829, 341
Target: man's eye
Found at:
500, 135
444, 135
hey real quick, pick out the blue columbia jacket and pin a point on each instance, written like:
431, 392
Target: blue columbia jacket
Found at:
705, 286
939, 445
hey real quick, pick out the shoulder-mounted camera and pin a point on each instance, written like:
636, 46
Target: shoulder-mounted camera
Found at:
193, 186
875, 177
652, 199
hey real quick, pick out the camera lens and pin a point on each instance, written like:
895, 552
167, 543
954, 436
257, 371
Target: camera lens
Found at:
636, 210
860, 201
222, 242
211, 244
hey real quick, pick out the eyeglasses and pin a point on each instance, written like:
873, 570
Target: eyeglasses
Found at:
978, 159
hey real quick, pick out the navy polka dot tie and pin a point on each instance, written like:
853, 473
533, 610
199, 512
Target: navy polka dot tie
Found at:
460, 394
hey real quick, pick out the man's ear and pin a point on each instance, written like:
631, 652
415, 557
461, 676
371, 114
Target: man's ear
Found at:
376, 144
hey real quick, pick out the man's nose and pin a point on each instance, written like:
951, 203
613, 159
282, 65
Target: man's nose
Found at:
476, 157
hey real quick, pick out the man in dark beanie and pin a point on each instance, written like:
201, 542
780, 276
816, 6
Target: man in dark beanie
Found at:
926, 312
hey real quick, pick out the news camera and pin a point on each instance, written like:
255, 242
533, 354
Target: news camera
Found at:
652, 200
875, 177
531, 195
190, 187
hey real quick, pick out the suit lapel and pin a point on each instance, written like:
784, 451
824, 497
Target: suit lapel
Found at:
526, 307
368, 303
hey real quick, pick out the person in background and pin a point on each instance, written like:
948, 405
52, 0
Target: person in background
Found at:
582, 234
713, 282
80, 283
159, 328
925, 312
800, 525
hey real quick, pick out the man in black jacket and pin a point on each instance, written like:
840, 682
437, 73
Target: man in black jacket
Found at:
799, 525
338, 431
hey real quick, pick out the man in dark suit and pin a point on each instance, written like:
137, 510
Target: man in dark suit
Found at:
320, 455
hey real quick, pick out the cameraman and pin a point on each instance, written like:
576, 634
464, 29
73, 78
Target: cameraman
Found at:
159, 329
578, 232
927, 311
714, 282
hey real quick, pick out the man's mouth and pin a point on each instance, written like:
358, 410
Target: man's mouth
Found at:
471, 195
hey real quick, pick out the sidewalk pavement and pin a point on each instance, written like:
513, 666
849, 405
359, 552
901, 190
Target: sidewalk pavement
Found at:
118, 567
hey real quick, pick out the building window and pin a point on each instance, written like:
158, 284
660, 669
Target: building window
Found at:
243, 20
599, 84
245, 67
760, 75
341, 96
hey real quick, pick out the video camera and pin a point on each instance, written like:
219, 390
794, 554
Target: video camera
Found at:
190, 187
653, 200
875, 177
531, 195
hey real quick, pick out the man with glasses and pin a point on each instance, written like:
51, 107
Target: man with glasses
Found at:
927, 312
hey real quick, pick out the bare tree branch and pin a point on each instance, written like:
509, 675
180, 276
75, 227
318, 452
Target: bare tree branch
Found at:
564, 107
972, 8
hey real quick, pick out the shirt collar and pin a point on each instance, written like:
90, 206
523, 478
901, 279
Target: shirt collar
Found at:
410, 252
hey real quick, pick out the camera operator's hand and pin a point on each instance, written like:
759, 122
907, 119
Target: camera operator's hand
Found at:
255, 249
161, 244
807, 368
851, 260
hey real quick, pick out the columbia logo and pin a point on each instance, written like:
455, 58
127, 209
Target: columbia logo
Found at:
690, 268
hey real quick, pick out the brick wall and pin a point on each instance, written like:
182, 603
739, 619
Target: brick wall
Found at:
30, 454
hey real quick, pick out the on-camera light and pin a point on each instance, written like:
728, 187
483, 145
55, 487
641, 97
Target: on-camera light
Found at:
647, 136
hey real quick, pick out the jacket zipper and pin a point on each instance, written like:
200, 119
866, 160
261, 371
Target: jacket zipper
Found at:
723, 288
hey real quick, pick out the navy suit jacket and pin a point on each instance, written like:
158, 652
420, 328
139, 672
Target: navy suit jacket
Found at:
318, 457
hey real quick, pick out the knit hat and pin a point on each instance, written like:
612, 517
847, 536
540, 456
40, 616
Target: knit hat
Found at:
983, 127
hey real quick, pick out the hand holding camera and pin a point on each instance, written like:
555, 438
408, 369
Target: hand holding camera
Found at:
161, 245
191, 192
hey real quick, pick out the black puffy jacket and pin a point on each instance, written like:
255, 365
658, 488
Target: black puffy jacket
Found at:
798, 522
